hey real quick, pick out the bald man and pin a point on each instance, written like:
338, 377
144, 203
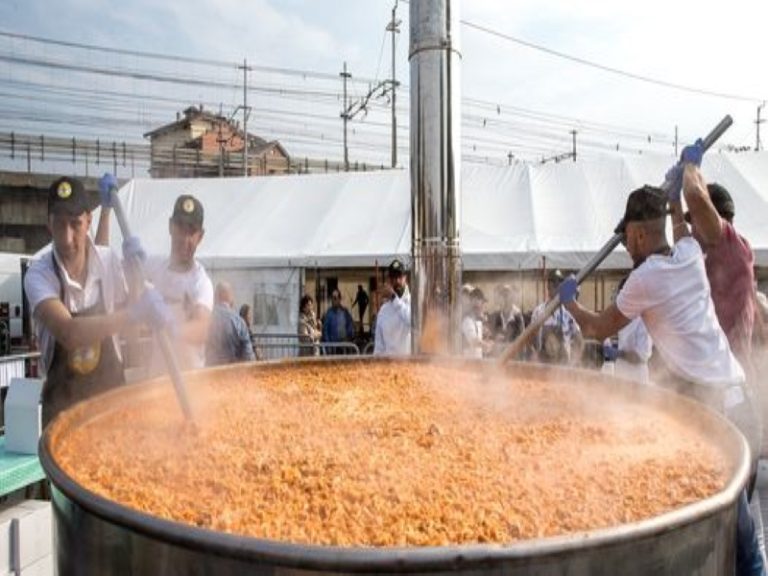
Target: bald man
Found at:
229, 339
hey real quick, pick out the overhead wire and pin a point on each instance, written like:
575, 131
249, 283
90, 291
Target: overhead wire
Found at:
501, 122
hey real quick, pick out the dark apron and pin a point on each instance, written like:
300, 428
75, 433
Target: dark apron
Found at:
79, 374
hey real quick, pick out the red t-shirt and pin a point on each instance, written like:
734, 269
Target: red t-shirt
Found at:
731, 277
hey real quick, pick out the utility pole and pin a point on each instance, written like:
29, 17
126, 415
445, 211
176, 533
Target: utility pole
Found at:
757, 124
245, 68
393, 28
573, 133
345, 115
676, 141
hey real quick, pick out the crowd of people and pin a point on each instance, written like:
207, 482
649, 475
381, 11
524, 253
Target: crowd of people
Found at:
693, 302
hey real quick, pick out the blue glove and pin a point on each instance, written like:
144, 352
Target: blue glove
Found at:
569, 290
133, 251
152, 310
673, 183
610, 352
693, 154
107, 189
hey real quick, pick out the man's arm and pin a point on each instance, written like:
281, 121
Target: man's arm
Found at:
709, 226
597, 326
72, 332
350, 325
379, 346
679, 225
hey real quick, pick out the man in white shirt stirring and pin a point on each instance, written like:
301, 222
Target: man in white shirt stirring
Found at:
75, 290
669, 290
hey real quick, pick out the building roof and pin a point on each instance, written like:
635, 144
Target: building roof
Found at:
190, 114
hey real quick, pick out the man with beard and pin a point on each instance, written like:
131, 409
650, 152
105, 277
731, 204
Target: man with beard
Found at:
669, 290
393, 323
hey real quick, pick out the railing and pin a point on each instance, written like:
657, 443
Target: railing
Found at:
16, 366
83, 155
274, 346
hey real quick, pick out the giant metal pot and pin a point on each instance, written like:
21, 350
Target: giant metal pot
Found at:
97, 536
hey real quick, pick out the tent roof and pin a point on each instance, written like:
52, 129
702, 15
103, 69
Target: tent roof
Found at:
511, 216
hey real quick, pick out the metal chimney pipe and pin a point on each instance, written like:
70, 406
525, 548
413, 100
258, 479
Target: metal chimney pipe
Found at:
435, 62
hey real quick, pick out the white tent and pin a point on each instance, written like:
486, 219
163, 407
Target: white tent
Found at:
511, 216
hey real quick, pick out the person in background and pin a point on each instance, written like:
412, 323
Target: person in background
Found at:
76, 290
466, 304
184, 284
729, 258
507, 322
669, 290
559, 339
361, 301
628, 357
229, 339
472, 330
393, 322
246, 314
338, 325
310, 330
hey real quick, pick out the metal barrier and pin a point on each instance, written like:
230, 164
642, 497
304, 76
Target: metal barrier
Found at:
16, 366
274, 346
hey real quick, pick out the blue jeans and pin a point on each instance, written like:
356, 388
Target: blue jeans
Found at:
749, 561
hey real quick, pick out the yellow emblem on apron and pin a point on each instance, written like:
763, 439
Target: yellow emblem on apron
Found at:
84, 360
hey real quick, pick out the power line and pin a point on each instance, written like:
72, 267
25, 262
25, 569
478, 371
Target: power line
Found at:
174, 58
604, 68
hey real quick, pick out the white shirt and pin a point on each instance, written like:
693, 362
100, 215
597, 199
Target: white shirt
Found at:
671, 294
182, 291
472, 335
393, 327
634, 338
104, 276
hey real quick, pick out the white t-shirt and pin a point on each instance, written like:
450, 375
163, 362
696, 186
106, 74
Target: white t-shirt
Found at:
182, 291
671, 294
104, 276
393, 327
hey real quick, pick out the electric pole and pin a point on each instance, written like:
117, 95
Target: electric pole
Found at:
675, 140
393, 28
757, 124
573, 133
245, 68
345, 115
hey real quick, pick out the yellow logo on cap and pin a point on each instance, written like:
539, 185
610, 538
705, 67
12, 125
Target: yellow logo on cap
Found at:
188, 206
64, 190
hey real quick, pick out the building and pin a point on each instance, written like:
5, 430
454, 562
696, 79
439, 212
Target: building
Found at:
203, 144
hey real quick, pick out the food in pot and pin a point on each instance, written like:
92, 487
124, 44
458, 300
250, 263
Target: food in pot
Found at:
390, 454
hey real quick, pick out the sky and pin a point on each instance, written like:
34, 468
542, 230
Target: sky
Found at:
716, 47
